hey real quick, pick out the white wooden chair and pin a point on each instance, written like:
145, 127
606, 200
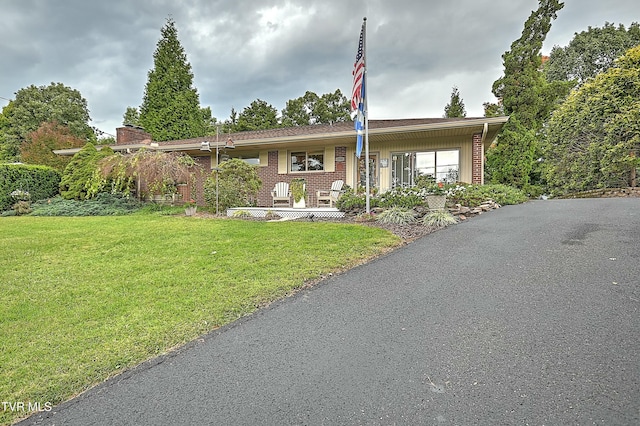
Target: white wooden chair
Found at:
327, 198
281, 194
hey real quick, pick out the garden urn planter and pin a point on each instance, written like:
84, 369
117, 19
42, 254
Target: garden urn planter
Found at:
436, 202
190, 211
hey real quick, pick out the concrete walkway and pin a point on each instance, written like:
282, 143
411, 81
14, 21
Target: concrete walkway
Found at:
526, 315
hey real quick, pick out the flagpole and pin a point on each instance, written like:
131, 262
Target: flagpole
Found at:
366, 123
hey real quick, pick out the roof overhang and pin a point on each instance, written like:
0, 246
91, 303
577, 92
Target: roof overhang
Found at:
487, 126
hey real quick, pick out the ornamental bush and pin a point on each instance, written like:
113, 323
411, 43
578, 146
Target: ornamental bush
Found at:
238, 185
39, 181
439, 219
397, 216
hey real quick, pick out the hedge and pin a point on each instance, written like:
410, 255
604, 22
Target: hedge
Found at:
39, 181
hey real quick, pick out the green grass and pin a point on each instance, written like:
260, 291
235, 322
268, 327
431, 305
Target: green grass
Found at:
84, 298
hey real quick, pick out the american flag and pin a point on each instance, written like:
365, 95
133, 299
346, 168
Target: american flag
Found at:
357, 95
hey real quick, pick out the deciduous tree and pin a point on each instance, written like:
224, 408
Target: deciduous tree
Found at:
131, 116
299, 111
258, 116
39, 145
159, 172
591, 52
35, 105
331, 108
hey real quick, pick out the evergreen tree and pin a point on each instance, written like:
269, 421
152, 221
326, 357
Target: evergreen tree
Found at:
493, 110
455, 108
131, 116
527, 98
170, 108
593, 138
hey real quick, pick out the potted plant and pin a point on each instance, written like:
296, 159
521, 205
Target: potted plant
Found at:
298, 192
190, 207
436, 196
434, 192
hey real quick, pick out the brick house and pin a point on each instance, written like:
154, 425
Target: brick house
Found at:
399, 151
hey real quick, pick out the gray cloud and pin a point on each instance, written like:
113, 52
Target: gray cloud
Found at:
276, 50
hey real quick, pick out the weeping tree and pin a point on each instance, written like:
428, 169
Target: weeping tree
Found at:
149, 172
80, 179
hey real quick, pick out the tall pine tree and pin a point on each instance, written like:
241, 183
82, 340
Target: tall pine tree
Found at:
527, 98
170, 108
455, 108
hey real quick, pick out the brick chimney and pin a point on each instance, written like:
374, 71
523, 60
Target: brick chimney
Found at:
129, 134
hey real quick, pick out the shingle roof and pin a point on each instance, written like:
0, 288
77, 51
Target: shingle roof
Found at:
316, 129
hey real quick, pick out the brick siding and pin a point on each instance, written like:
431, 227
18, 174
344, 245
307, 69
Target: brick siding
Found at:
315, 180
478, 154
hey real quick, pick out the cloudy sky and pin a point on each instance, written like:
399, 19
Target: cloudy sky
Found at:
275, 50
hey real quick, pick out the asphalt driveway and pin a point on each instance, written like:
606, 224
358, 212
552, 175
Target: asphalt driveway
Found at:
525, 315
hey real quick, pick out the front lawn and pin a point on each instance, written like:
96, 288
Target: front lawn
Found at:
83, 298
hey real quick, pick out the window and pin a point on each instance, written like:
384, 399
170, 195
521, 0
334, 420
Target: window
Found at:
252, 158
307, 161
373, 171
443, 165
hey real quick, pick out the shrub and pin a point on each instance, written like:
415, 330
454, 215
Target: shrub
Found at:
39, 181
474, 195
439, 219
238, 185
22, 207
349, 201
397, 216
104, 204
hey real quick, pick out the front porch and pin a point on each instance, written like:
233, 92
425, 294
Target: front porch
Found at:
289, 212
